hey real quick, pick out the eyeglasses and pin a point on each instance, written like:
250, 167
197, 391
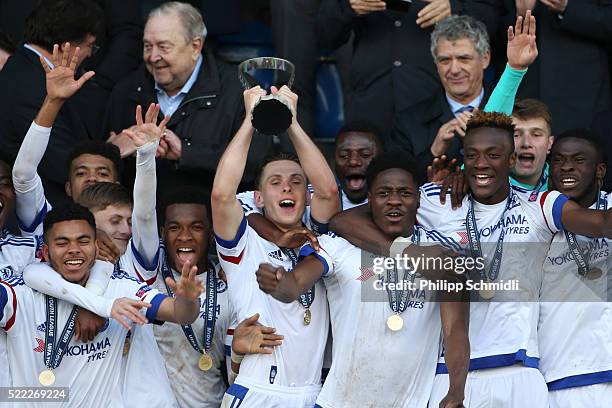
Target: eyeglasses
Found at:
94, 49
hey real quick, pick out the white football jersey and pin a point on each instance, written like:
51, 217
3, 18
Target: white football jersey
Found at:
144, 355
298, 361
15, 254
373, 366
575, 327
502, 331
192, 386
90, 370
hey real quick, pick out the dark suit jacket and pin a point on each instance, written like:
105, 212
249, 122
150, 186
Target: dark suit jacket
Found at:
392, 67
22, 91
121, 52
206, 120
415, 129
571, 73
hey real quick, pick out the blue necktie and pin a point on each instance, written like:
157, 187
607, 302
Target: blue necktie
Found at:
464, 109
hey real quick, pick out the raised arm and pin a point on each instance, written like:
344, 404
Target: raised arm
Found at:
287, 287
146, 137
226, 210
61, 85
325, 202
521, 52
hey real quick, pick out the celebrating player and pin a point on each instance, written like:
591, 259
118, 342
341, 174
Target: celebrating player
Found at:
378, 361
31, 318
575, 314
284, 378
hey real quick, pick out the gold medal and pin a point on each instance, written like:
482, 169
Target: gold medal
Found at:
487, 294
594, 273
395, 322
46, 378
307, 317
205, 362
126, 347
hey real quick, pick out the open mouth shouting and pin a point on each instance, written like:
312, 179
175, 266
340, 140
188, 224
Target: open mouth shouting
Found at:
355, 182
185, 253
526, 159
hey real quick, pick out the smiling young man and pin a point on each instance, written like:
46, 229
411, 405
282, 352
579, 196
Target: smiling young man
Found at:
375, 363
286, 377
577, 361
30, 317
532, 141
513, 232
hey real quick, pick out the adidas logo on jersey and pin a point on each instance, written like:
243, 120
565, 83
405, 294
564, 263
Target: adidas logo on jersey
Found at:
278, 255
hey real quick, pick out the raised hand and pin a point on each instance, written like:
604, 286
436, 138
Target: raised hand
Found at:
125, 308
522, 49
289, 97
61, 84
170, 146
440, 169
147, 130
188, 286
251, 97
251, 337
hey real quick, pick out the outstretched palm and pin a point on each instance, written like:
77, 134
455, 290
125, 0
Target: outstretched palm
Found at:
60, 80
522, 49
147, 130
188, 286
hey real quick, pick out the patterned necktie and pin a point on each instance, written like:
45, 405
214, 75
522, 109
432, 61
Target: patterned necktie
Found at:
464, 109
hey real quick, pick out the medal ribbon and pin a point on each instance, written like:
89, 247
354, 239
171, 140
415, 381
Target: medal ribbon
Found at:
572, 242
474, 238
307, 298
398, 299
536, 190
53, 353
211, 308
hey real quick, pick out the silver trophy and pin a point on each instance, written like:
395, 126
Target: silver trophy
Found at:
271, 115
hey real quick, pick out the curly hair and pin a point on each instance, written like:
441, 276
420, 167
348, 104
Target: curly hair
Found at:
497, 120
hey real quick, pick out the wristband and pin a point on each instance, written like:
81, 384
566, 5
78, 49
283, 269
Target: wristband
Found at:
236, 358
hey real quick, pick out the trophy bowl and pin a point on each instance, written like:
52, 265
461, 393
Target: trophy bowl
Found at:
271, 115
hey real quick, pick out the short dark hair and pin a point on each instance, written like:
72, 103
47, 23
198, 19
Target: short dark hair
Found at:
363, 126
528, 108
392, 160
183, 195
98, 148
68, 212
57, 21
98, 196
270, 159
589, 137
7, 158
497, 120
6, 43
